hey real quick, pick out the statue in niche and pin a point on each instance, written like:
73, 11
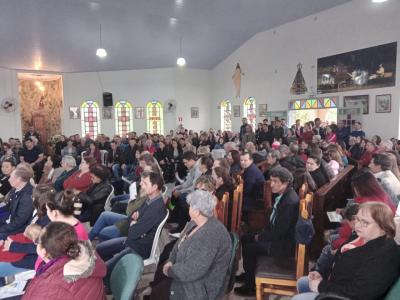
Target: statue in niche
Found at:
237, 79
299, 84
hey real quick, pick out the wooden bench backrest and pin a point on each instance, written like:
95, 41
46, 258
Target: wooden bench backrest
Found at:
222, 209
305, 212
267, 195
237, 209
303, 190
327, 198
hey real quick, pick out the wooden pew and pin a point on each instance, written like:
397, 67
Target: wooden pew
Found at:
222, 209
327, 198
257, 217
275, 278
237, 206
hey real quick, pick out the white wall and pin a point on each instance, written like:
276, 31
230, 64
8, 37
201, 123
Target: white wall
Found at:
269, 59
10, 122
187, 86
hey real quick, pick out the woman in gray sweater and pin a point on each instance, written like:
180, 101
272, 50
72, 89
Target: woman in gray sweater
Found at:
199, 261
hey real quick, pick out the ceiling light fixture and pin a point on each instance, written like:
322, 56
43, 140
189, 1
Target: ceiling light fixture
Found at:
101, 52
181, 62
379, 1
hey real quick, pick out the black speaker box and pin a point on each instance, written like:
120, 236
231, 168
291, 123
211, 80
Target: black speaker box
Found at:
107, 99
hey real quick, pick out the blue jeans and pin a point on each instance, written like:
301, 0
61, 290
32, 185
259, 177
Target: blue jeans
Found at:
3, 236
112, 251
304, 290
120, 198
116, 170
7, 269
104, 227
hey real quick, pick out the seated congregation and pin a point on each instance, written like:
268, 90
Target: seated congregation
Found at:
86, 215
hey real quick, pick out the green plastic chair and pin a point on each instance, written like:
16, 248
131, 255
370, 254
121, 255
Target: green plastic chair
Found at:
232, 268
394, 292
125, 276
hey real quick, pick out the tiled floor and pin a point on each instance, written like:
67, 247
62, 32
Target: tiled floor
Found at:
144, 289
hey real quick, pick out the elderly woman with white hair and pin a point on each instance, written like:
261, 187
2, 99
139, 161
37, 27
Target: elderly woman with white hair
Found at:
197, 266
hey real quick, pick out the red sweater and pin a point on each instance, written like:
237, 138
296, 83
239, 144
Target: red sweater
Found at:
307, 136
79, 181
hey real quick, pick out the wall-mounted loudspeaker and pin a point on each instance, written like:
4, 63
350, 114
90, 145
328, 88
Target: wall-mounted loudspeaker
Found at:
107, 99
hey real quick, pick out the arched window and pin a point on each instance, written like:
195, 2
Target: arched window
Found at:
123, 118
249, 111
90, 119
226, 115
155, 117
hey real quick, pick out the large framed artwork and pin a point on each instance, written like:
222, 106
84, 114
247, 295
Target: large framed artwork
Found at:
357, 101
368, 68
383, 103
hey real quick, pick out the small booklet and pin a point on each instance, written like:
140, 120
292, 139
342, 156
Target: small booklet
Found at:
334, 217
13, 289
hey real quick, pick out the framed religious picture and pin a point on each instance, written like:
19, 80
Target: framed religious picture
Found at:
194, 112
357, 101
383, 103
74, 112
139, 112
262, 110
108, 112
236, 111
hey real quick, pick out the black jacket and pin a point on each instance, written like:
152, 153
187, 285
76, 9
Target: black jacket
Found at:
129, 157
5, 186
253, 186
366, 272
280, 235
21, 209
115, 157
320, 177
95, 198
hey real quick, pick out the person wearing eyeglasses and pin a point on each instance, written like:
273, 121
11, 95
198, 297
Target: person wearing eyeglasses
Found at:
363, 268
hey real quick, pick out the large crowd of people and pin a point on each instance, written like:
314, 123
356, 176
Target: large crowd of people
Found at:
71, 210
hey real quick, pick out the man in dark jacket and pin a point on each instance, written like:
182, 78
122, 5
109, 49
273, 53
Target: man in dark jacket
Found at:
277, 239
265, 135
115, 159
143, 226
253, 182
129, 160
21, 205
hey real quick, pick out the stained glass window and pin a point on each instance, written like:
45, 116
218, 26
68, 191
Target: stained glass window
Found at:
90, 119
315, 103
249, 111
123, 117
155, 117
226, 115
